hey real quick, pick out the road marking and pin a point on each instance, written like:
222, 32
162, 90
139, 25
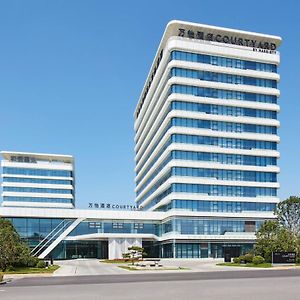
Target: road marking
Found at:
2, 290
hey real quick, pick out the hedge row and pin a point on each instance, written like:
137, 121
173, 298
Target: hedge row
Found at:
248, 259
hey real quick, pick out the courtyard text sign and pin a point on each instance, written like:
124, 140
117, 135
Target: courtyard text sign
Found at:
98, 205
227, 39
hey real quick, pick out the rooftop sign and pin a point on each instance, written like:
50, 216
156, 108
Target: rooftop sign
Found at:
226, 39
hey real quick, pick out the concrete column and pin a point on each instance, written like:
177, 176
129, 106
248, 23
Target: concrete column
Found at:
174, 249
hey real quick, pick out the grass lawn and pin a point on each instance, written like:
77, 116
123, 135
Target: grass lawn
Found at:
115, 261
264, 265
28, 270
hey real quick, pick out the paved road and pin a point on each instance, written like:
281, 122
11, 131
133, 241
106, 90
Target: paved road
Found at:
132, 276
246, 285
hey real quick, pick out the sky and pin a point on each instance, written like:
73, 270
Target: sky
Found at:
71, 73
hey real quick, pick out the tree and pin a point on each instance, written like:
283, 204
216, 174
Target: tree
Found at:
12, 251
272, 236
288, 213
134, 253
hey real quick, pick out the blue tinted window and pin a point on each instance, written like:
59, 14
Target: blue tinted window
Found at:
221, 77
37, 199
37, 172
223, 142
219, 174
223, 126
35, 190
222, 94
223, 61
224, 110
36, 180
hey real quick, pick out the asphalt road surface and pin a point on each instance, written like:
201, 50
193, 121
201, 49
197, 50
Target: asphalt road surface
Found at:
245, 285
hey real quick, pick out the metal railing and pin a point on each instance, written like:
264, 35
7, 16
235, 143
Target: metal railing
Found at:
51, 236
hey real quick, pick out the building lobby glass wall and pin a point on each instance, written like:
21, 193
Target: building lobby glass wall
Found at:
205, 226
203, 250
116, 226
34, 230
81, 249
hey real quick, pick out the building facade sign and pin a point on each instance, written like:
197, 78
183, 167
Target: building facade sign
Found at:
226, 39
283, 257
98, 205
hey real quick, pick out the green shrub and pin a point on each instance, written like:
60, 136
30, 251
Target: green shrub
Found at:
298, 260
248, 258
41, 264
32, 261
1, 276
236, 260
10, 268
242, 259
257, 260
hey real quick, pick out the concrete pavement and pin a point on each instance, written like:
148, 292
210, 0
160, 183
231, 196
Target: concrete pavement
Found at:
81, 267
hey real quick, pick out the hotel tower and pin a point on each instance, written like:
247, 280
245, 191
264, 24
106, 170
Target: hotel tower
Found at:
206, 133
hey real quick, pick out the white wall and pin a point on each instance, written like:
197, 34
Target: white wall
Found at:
116, 247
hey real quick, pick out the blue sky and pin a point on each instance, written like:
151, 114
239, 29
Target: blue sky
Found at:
71, 73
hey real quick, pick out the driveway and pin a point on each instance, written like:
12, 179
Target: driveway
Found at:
86, 267
95, 267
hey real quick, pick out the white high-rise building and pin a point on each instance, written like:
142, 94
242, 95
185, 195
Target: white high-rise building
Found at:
37, 180
206, 129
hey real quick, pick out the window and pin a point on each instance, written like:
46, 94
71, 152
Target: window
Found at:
138, 226
95, 225
117, 225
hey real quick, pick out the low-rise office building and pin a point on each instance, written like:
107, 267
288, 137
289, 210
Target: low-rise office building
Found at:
37, 180
206, 157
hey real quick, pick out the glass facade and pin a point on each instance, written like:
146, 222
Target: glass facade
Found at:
36, 180
114, 226
210, 190
223, 142
218, 206
223, 126
221, 94
235, 111
37, 199
202, 226
221, 77
203, 250
35, 230
223, 158
236, 175
35, 190
36, 172
223, 61
232, 159
81, 249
